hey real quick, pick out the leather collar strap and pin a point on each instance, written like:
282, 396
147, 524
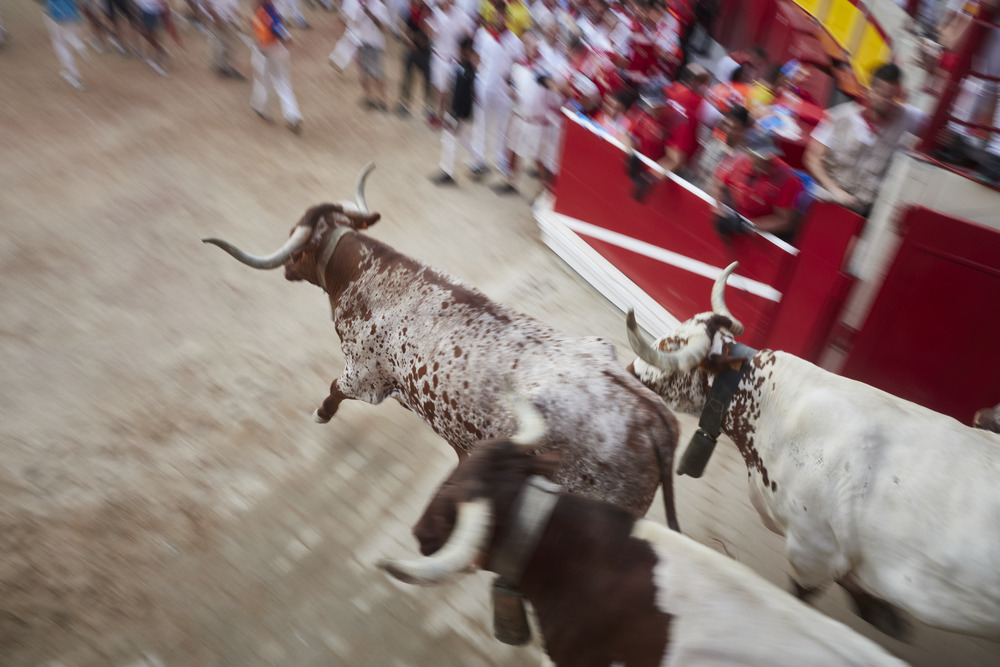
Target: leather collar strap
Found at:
326, 252
532, 510
722, 392
699, 450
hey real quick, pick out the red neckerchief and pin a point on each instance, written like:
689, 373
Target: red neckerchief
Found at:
493, 32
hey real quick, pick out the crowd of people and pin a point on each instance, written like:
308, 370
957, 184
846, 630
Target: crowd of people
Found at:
494, 76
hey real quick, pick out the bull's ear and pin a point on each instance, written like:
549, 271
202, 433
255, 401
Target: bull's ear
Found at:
546, 464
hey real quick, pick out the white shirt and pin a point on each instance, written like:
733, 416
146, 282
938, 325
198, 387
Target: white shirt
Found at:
531, 100
364, 29
496, 57
449, 28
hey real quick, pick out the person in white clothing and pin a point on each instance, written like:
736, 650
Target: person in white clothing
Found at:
62, 18
498, 49
533, 102
449, 25
365, 20
224, 30
270, 62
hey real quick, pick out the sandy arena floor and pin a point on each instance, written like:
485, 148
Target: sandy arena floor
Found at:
166, 499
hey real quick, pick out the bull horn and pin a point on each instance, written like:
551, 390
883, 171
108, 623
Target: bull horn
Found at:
530, 422
298, 239
359, 191
467, 540
719, 301
683, 359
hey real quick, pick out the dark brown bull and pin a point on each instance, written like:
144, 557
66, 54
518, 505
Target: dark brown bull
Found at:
609, 588
443, 349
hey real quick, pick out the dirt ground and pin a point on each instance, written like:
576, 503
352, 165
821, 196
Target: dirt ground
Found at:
166, 499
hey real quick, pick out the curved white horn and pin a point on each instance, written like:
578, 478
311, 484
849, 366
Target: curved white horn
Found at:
719, 301
531, 426
683, 359
467, 540
298, 239
359, 190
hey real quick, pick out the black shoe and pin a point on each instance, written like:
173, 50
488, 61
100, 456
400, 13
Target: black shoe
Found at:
443, 179
263, 115
478, 171
504, 189
402, 110
295, 126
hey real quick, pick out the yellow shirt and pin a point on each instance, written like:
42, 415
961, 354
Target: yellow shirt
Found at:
518, 16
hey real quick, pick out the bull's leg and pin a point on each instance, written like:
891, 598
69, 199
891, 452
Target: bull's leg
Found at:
876, 611
325, 412
805, 593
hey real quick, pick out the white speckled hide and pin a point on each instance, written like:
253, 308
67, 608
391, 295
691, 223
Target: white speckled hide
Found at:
442, 349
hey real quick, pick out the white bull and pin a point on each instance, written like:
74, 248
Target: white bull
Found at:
895, 502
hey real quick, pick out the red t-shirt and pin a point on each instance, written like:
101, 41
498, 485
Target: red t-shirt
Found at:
685, 136
756, 195
650, 136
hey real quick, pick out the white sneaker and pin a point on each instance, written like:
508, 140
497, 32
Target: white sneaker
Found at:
71, 80
153, 65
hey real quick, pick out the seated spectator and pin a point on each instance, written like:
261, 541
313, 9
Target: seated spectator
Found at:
762, 91
759, 186
722, 146
852, 147
732, 93
754, 61
611, 117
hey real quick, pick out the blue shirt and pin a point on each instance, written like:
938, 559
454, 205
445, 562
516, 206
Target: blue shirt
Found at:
62, 10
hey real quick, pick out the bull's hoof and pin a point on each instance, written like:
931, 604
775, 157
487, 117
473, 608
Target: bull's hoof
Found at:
885, 617
318, 418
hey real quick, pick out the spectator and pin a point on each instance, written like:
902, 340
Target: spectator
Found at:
852, 147
149, 20
62, 18
687, 95
449, 26
754, 61
517, 16
366, 20
733, 93
224, 15
757, 185
416, 55
530, 118
497, 49
455, 124
122, 34
270, 61
648, 127
611, 117
722, 146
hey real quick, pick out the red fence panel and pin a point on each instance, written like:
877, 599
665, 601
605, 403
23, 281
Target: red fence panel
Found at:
930, 337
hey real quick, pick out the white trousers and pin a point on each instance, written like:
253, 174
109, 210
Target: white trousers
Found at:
270, 74
450, 140
64, 35
491, 116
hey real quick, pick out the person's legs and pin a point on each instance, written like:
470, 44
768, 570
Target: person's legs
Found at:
409, 62
282, 83
479, 121
259, 93
59, 43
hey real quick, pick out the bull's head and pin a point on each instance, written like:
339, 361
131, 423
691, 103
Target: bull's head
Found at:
680, 366
313, 238
459, 527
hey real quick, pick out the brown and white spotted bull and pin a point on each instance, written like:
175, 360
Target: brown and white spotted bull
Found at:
443, 349
894, 501
609, 588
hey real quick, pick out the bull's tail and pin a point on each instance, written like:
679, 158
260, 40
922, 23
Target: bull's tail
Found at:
665, 459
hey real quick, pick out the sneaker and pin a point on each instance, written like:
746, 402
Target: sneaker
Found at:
263, 116
504, 188
71, 80
295, 126
434, 121
478, 171
381, 107
116, 45
402, 110
442, 178
155, 66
